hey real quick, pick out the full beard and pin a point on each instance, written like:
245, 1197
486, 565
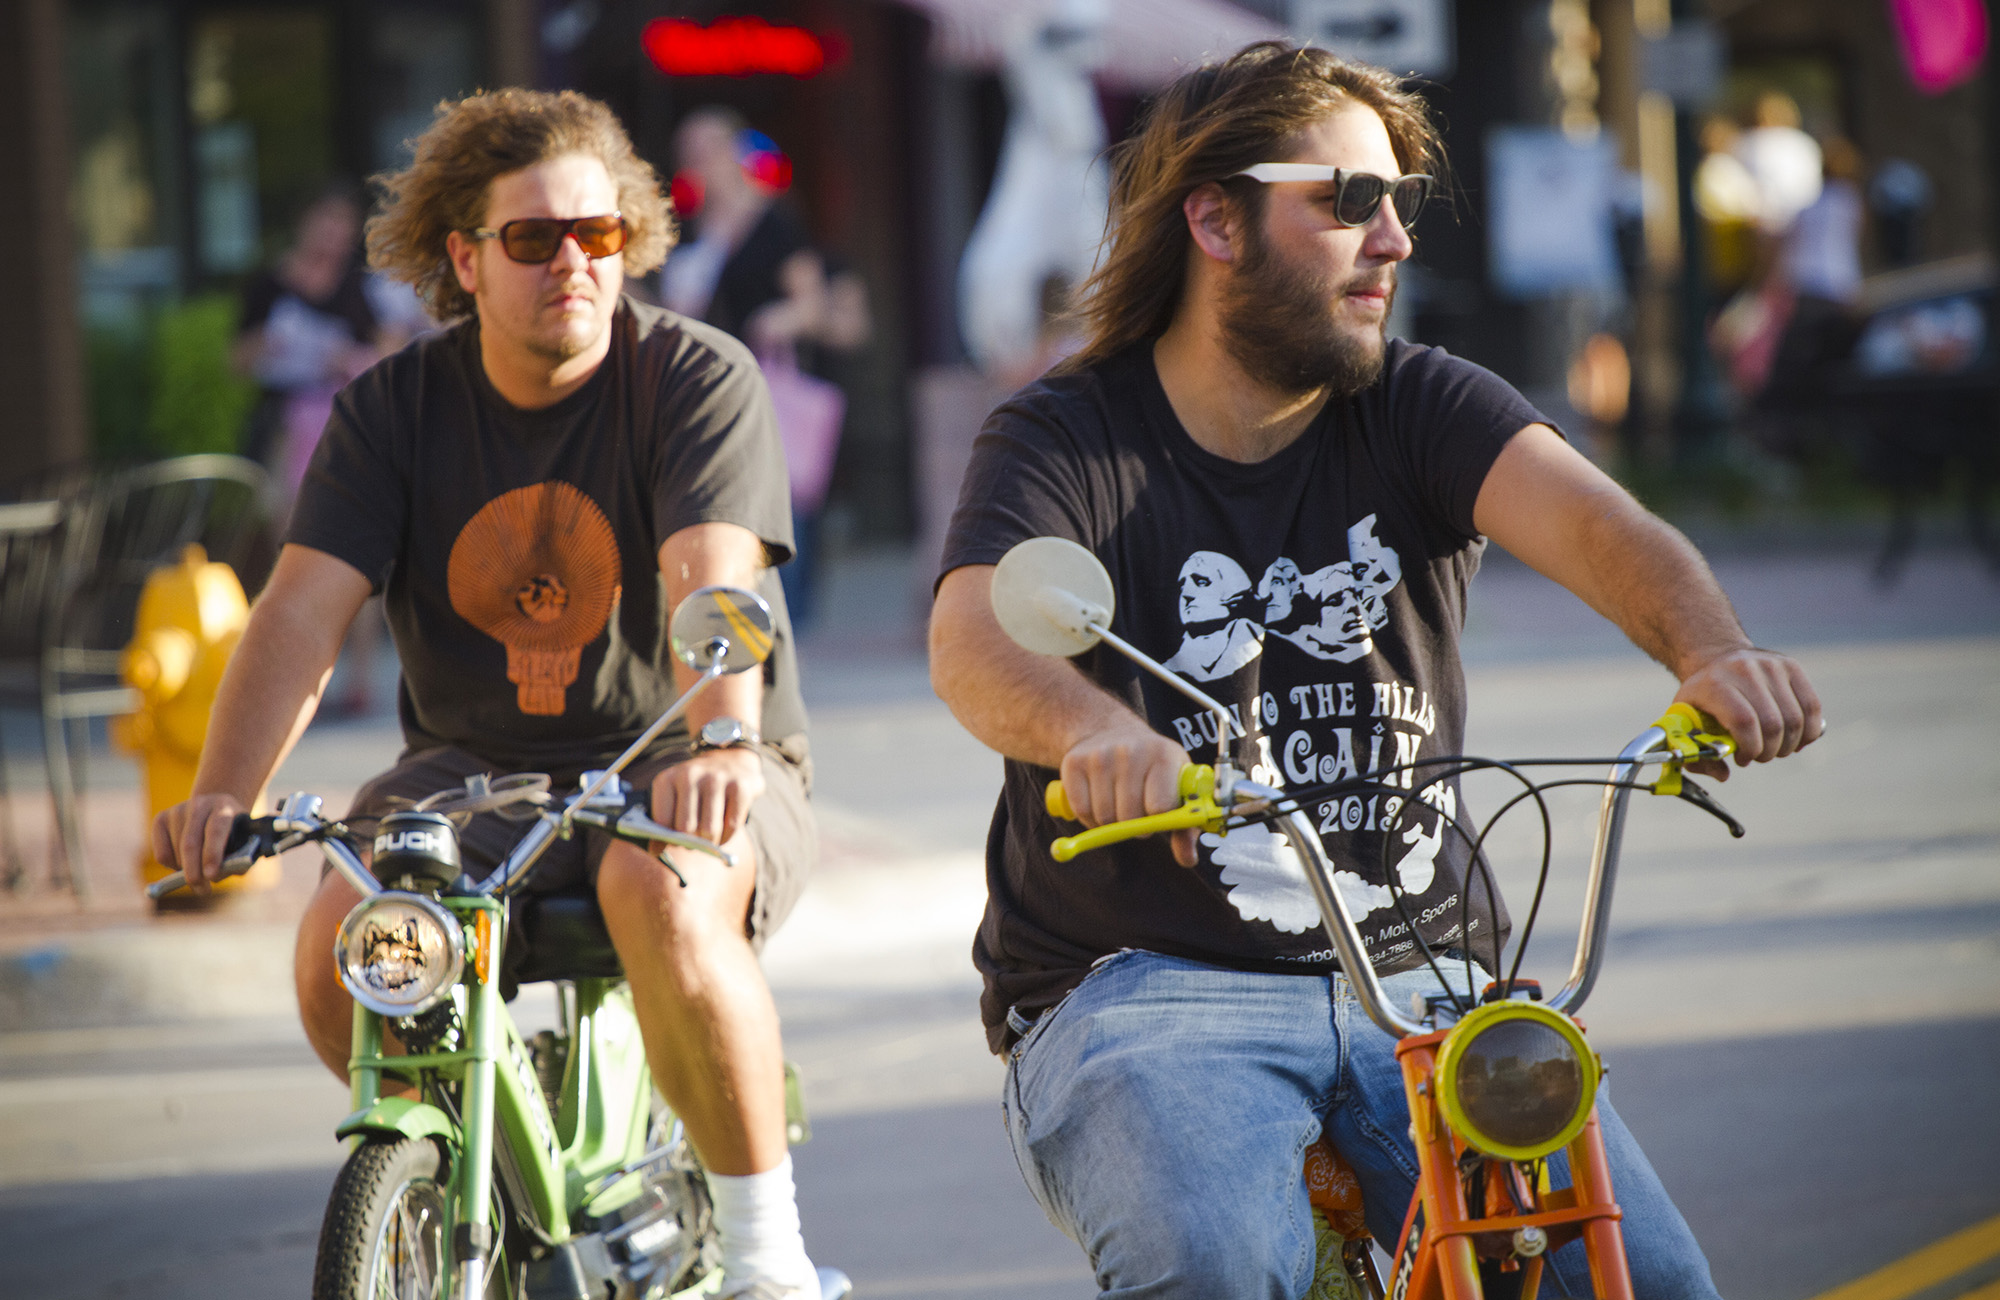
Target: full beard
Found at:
1277, 324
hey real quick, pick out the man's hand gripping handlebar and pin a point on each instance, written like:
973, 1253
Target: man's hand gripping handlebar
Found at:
1198, 811
1689, 736
297, 822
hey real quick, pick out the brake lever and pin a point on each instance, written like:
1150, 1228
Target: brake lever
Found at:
635, 825
1702, 799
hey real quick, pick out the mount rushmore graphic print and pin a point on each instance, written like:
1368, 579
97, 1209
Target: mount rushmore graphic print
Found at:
1323, 707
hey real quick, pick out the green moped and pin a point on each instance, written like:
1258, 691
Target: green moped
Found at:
543, 1169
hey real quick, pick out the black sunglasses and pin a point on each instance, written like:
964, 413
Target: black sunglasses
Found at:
1356, 195
534, 240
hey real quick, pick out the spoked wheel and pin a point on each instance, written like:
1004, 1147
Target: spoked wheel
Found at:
384, 1236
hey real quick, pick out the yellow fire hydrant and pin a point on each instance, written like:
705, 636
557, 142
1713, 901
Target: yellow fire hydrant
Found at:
191, 616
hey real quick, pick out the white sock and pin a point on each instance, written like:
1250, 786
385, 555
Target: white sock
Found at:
757, 1221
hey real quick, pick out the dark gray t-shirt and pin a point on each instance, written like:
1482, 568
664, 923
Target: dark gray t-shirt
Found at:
517, 551
1320, 593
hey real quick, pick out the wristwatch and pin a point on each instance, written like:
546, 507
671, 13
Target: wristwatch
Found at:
725, 733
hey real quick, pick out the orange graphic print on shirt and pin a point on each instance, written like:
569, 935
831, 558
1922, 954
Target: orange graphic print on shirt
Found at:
537, 570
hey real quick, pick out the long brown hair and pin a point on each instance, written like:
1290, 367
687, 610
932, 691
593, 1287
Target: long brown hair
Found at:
1208, 125
480, 137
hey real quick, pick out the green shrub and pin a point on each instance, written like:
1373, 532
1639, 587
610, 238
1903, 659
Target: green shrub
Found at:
115, 358
198, 402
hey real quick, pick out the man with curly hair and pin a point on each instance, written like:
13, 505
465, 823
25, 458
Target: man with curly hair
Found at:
533, 490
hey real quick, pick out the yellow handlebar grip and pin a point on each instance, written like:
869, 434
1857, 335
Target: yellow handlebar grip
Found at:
1685, 721
1689, 733
1198, 810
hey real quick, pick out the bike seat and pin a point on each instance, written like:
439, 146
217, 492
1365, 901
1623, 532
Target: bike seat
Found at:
559, 937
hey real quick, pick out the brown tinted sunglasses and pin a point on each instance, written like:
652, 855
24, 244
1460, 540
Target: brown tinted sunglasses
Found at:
534, 240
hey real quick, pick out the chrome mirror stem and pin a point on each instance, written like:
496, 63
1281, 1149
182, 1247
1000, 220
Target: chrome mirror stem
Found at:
718, 651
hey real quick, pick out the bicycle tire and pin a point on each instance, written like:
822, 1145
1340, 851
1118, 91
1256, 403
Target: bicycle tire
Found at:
364, 1254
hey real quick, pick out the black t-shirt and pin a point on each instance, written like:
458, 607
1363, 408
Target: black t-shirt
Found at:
1320, 593
518, 550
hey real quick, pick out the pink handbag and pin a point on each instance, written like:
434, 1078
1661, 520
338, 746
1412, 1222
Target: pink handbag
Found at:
809, 411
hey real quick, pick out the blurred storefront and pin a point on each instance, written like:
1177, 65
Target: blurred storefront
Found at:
1621, 94
198, 135
182, 138
169, 144
893, 143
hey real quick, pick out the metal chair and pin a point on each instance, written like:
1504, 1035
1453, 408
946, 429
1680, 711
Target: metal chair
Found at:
30, 542
113, 534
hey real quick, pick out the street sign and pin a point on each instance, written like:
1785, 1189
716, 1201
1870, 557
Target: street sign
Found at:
1548, 212
1404, 36
1686, 64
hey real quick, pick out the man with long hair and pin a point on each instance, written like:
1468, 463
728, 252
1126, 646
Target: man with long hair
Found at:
1176, 1036
533, 490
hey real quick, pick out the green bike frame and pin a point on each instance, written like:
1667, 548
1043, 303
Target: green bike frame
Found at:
601, 1121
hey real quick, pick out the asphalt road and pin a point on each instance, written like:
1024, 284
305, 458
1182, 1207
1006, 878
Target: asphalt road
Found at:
1803, 1027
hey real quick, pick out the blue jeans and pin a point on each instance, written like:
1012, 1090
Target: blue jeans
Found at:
1161, 1114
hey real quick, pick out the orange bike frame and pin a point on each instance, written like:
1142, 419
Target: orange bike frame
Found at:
1443, 1261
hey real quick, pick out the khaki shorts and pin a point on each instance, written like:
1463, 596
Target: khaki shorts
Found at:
781, 828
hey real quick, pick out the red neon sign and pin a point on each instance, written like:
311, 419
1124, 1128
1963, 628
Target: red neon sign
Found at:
732, 47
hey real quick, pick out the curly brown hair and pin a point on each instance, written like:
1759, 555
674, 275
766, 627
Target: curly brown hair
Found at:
487, 135
1205, 127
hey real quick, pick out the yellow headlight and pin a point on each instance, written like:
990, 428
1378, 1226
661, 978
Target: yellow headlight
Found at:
1517, 1080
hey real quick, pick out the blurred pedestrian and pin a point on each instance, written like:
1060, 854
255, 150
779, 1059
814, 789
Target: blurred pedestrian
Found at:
307, 326
1820, 263
751, 269
1729, 202
1782, 158
1900, 197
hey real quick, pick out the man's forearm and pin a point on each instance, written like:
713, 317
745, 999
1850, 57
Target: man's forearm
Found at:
1570, 522
266, 698
715, 555
1645, 576
1027, 706
275, 677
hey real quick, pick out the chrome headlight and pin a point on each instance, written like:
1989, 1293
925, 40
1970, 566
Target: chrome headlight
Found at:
399, 954
1516, 1079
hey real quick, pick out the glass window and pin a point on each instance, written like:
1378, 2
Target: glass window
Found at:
260, 105
125, 187
420, 57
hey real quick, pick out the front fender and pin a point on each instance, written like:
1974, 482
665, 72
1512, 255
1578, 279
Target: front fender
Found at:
400, 1117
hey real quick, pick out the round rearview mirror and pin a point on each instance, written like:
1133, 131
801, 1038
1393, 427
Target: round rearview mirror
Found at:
736, 621
1052, 596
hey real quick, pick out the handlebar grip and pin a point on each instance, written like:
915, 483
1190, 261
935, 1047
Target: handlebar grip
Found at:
240, 832
1690, 735
246, 844
1117, 832
1685, 719
1198, 810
